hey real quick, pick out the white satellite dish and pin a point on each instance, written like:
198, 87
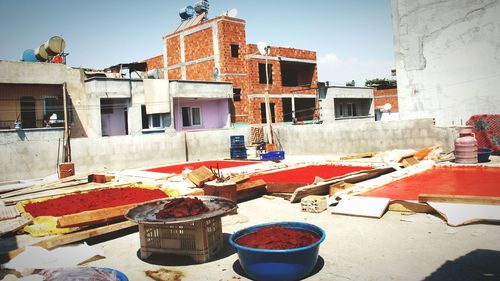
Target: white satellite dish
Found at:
387, 106
263, 48
232, 13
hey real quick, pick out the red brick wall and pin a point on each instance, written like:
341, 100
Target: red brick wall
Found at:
382, 97
174, 50
154, 62
175, 74
255, 112
198, 45
231, 33
203, 71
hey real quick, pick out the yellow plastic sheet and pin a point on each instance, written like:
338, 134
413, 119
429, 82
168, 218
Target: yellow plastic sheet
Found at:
46, 225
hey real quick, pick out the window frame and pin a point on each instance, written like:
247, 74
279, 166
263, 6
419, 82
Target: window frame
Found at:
190, 117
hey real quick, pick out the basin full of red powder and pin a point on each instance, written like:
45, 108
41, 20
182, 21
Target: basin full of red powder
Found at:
93, 200
278, 238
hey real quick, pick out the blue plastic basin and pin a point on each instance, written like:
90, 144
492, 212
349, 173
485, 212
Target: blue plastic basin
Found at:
483, 154
290, 264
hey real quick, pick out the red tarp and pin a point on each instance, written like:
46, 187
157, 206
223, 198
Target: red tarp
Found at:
460, 180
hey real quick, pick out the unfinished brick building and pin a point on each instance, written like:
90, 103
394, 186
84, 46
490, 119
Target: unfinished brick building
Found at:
215, 49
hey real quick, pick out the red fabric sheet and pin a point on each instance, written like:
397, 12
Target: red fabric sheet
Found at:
486, 127
474, 181
306, 175
178, 168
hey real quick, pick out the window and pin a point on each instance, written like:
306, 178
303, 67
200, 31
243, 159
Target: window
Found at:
262, 73
234, 50
349, 109
53, 105
152, 121
236, 94
263, 112
191, 117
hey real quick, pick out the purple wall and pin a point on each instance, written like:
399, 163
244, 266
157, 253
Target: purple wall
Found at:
214, 113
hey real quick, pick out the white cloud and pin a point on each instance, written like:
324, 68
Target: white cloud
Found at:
340, 70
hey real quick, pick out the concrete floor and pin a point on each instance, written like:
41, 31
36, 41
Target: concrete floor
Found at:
395, 247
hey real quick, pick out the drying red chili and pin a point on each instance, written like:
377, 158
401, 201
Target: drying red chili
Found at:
182, 207
93, 200
277, 238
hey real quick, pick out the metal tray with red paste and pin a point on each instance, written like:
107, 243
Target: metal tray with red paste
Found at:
181, 209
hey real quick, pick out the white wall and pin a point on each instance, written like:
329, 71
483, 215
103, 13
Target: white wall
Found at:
447, 58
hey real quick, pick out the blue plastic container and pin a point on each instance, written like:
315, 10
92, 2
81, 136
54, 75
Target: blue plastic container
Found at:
273, 155
276, 265
237, 141
483, 154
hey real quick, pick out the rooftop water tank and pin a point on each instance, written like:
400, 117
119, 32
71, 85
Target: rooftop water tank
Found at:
29, 55
201, 6
186, 12
55, 45
41, 54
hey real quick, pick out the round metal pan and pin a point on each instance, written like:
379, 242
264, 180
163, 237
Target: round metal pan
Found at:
146, 213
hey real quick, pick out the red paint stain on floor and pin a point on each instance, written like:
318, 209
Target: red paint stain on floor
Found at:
475, 181
306, 175
177, 169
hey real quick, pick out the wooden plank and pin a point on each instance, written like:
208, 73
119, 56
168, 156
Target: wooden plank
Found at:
283, 187
466, 199
200, 176
12, 225
359, 155
410, 207
239, 179
9, 212
250, 190
70, 238
322, 188
372, 207
94, 217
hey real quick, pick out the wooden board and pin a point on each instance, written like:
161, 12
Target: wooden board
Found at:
71, 238
283, 187
489, 200
410, 206
239, 179
359, 155
465, 213
9, 212
13, 225
372, 207
200, 176
322, 188
250, 190
94, 216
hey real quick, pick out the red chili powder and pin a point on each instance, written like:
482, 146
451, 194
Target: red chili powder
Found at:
177, 169
306, 175
93, 200
277, 238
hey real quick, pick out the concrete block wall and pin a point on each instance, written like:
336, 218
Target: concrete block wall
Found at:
35, 155
358, 136
447, 58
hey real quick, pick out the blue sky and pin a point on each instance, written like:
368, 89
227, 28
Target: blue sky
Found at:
352, 38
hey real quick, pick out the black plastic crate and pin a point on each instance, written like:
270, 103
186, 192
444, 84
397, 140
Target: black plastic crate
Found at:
238, 153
